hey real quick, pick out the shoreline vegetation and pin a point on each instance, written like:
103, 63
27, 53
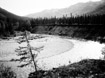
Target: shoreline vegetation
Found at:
88, 27
87, 68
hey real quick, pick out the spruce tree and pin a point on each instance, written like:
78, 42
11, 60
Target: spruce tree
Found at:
27, 53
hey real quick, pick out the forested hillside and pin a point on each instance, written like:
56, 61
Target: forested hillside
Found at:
80, 26
86, 26
9, 23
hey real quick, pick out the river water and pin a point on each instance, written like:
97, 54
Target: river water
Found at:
56, 52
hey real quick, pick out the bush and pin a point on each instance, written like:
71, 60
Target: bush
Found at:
6, 72
39, 74
88, 68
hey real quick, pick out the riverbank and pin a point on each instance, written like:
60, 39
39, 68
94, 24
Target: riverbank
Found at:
57, 52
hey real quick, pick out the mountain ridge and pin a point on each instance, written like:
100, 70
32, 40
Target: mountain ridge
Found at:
6, 14
76, 9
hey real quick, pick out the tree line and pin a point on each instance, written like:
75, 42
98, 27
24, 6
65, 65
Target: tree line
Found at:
73, 20
8, 26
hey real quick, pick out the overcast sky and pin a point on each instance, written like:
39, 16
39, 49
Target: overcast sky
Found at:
24, 7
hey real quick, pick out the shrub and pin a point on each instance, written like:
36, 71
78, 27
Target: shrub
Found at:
6, 72
87, 68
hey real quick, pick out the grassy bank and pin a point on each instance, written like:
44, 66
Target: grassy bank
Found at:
88, 68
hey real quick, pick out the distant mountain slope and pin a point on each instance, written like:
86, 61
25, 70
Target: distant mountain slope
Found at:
9, 23
6, 14
77, 9
99, 9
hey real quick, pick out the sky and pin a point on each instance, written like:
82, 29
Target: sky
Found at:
25, 7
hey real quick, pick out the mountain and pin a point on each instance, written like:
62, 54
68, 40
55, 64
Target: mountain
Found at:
77, 9
6, 14
99, 9
9, 23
